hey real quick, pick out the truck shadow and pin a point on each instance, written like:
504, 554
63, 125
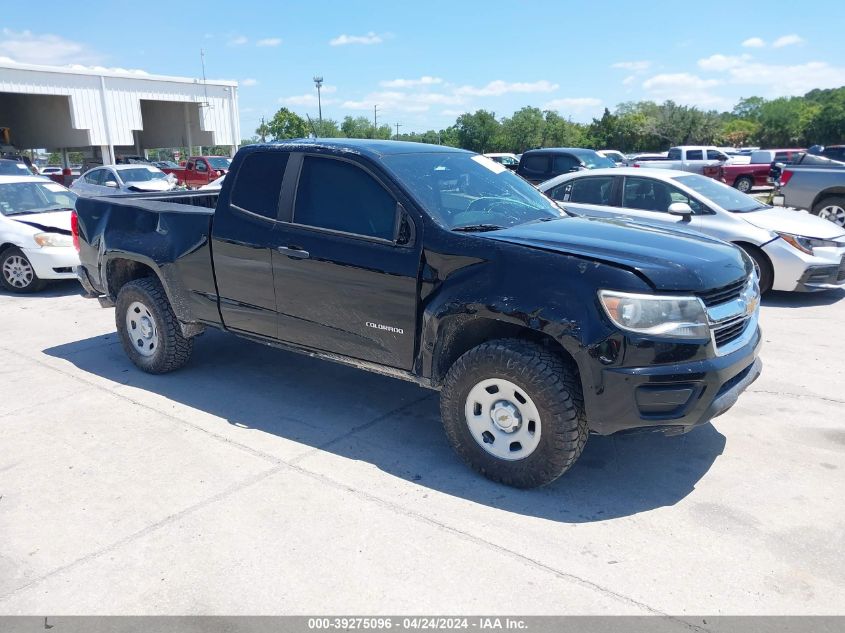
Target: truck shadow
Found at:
392, 425
63, 288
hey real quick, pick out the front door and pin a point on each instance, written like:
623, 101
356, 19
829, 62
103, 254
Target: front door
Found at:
346, 272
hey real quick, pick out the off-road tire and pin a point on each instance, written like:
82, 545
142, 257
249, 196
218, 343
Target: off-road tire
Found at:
554, 388
33, 286
173, 349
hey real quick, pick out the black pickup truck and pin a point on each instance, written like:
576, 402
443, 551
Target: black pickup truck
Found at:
439, 266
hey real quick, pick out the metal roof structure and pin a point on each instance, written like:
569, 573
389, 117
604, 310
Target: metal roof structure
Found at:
73, 107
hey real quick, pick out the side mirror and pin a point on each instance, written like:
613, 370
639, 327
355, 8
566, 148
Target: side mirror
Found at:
110, 183
680, 208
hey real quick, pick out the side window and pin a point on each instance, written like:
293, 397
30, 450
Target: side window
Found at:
201, 166
713, 154
337, 195
781, 157
259, 183
595, 190
674, 154
95, 177
538, 163
695, 154
561, 193
646, 194
564, 163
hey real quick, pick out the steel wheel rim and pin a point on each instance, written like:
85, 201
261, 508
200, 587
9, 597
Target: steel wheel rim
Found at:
18, 272
744, 186
141, 329
834, 213
502, 419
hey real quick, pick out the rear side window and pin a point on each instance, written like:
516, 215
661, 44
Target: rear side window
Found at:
564, 163
674, 154
537, 163
337, 195
259, 183
594, 190
695, 154
95, 177
781, 157
713, 154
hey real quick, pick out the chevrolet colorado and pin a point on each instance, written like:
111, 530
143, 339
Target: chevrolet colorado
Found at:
438, 266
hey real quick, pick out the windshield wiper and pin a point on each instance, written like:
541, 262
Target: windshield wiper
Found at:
471, 228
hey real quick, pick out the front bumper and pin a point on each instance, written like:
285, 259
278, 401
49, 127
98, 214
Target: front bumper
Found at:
672, 397
53, 262
799, 272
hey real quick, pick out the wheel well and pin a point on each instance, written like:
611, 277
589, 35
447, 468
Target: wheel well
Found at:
828, 193
120, 272
464, 334
3, 247
751, 247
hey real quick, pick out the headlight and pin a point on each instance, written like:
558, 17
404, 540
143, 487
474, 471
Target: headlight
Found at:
53, 239
807, 244
676, 317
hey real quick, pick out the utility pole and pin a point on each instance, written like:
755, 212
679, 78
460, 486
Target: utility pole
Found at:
318, 81
398, 125
375, 120
263, 129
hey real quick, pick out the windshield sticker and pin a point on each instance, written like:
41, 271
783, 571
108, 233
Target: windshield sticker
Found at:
492, 165
54, 187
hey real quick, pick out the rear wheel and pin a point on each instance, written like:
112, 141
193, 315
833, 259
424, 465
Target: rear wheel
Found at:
832, 208
148, 328
17, 273
744, 184
514, 412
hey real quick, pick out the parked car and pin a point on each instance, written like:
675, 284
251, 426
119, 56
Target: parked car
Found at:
792, 251
504, 158
200, 170
538, 165
614, 155
9, 167
757, 173
817, 186
834, 152
411, 260
691, 158
35, 233
122, 179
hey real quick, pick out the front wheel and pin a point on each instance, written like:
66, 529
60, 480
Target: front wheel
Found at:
514, 412
832, 208
17, 273
744, 184
765, 273
148, 328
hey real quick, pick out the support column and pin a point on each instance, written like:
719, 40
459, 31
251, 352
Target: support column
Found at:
108, 150
188, 138
65, 161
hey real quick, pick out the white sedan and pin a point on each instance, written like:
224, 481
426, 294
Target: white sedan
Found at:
35, 234
112, 180
792, 250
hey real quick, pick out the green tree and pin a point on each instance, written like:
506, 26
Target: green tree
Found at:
524, 130
749, 108
781, 122
262, 131
357, 127
477, 131
738, 132
328, 128
560, 132
287, 124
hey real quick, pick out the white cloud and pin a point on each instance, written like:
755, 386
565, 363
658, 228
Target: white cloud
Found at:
722, 62
238, 40
576, 105
789, 80
269, 41
754, 42
30, 48
787, 40
425, 80
640, 66
344, 39
249, 82
629, 80
499, 87
452, 112
685, 88
397, 101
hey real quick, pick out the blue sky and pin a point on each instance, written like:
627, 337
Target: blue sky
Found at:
426, 62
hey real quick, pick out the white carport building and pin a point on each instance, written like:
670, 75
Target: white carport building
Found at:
114, 112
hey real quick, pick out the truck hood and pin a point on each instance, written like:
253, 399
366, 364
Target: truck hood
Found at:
47, 221
795, 222
670, 259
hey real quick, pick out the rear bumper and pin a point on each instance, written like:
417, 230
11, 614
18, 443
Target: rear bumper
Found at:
673, 398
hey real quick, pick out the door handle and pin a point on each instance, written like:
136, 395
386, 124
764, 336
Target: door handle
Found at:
293, 252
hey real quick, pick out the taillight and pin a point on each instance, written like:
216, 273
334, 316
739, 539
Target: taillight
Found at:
785, 176
635, 165
74, 229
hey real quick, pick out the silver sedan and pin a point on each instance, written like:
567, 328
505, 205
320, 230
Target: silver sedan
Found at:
792, 250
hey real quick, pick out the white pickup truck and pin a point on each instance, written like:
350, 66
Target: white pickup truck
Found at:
692, 158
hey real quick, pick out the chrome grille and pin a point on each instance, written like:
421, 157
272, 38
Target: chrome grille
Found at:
724, 294
729, 330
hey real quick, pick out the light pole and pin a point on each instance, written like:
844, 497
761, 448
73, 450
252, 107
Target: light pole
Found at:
318, 81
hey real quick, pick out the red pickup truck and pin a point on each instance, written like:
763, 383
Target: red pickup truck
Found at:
200, 170
753, 174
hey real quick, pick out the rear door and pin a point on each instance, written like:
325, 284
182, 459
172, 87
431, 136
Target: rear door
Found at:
347, 271
245, 234
648, 199
589, 195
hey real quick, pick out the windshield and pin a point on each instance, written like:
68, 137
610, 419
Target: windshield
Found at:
141, 174
594, 160
11, 168
219, 162
461, 190
726, 197
17, 198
